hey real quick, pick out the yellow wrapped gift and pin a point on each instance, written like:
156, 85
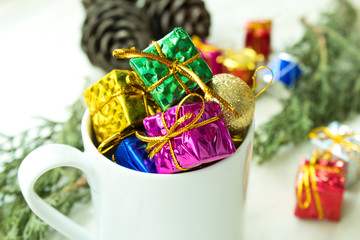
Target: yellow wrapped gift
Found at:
118, 101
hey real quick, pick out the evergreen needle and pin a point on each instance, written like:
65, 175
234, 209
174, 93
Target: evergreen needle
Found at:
61, 187
327, 91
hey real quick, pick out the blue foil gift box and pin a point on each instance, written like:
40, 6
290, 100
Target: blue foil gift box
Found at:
131, 154
285, 68
286, 72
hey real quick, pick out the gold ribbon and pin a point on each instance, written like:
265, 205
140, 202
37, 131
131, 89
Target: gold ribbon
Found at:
156, 143
129, 80
174, 67
115, 139
324, 132
118, 140
146, 94
254, 80
310, 173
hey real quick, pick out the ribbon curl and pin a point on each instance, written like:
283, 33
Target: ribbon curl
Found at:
115, 139
310, 173
254, 80
156, 143
174, 67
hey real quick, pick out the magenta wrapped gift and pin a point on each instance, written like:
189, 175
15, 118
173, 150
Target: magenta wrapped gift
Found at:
210, 54
186, 136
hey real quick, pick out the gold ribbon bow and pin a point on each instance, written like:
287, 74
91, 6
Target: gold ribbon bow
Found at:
310, 173
156, 143
115, 139
324, 132
174, 67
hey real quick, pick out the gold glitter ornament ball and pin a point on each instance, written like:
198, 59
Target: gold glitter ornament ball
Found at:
240, 96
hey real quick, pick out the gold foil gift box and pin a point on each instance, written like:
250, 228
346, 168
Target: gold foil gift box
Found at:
241, 63
118, 102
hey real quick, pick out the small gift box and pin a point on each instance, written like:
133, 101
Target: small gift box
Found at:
131, 154
163, 76
116, 102
320, 185
187, 136
241, 63
210, 53
343, 143
286, 71
258, 35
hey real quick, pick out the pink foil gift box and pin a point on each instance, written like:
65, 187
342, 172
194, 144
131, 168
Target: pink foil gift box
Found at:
210, 54
191, 148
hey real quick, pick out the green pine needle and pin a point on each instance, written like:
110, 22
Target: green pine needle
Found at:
60, 187
329, 88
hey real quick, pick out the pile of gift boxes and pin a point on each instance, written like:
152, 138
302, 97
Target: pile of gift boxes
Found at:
157, 118
332, 168
164, 118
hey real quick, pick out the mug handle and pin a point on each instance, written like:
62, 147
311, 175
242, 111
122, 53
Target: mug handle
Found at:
37, 163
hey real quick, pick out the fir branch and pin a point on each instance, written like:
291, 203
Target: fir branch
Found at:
61, 187
328, 90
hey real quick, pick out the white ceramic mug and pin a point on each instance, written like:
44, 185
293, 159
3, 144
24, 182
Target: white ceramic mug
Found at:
206, 204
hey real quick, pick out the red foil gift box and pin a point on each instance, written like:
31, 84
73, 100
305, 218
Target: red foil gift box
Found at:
258, 35
320, 185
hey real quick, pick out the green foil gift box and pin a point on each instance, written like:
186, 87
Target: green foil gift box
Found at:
161, 70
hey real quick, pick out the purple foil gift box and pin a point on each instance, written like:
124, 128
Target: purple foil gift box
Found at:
203, 144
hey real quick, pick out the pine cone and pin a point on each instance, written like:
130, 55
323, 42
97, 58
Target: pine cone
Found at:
110, 25
88, 3
138, 3
192, 15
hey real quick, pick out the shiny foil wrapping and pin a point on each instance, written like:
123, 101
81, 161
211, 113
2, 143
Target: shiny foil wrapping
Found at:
350, 155
258, 36
286, 71
131, 154
176, 46
115, 105
330, 187
192, 148
241, 63
210, 54
285, 68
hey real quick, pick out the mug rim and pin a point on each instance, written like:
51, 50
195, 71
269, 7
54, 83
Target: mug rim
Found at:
89, 146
